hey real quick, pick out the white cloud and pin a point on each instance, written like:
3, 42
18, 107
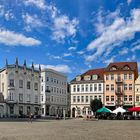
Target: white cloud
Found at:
31, 21
137, 47
109, 60
114, 34
38, 3
60, 68
15, 39
71, 48
123, 51
131, 58
129, 1
80, 52
67, 54
63, 27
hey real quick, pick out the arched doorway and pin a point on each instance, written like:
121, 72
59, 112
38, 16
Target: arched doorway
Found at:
73, 112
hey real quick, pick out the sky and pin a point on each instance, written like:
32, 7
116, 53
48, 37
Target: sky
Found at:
70, 36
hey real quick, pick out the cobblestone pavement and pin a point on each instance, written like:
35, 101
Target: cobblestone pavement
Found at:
71, 130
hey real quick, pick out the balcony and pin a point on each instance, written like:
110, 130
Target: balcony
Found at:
119, 81
119, 92
119, 103
11, 87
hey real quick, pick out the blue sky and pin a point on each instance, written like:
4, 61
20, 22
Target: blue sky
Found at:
70, 36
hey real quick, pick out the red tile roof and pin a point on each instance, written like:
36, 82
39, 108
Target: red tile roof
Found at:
120, 67
99, 72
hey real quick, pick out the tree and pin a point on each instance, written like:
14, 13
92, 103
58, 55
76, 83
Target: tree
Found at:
95, 105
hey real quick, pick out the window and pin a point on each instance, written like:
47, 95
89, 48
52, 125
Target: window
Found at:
35, 86
11, 96
95, 87
100, 98
86, 87
112, 98
130, 86
137, 98
42, 99
42, 110
47, 78
52, 98
74, 88
41, 88
51, 79
82, 88
118, 77
82, 98
41, 79
28, 85
2, 87
100, 87
78, 88
90, 87
107, 77
86, 98
95, 97
119, 88
107, 98
74, 99
125, 86
125, 76
20, 83
112, 87
36, 98
78, 98
11, 82
112, 76
130, 97
55, 89
28, 98
21, 97
125, 98
107, 87
90, 98
130, 75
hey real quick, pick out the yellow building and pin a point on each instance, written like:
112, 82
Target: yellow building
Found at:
137, 91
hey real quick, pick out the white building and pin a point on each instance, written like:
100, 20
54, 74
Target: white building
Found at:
84, 88
53, 93
137, 92
20, 87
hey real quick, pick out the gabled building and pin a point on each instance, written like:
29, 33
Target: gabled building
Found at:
83, 89
119, 84
20, 87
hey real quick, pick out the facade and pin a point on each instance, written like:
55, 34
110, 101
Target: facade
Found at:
20, 87
53, 93
137, 92
84, 88
119, 84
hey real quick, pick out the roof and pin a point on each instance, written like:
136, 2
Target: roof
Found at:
99, 72
120, 67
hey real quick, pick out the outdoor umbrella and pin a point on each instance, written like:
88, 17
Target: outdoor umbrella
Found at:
119, 109
134, 109
103, 110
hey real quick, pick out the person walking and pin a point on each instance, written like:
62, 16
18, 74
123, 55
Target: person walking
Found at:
30, 117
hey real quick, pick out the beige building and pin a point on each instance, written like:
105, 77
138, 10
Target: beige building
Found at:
20, 87
53, 93
119, 87
137, 92
83, 89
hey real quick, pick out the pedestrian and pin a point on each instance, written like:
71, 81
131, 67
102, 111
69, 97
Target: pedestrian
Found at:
30, 117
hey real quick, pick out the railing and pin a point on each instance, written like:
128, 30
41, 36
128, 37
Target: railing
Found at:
119, 92
119, 80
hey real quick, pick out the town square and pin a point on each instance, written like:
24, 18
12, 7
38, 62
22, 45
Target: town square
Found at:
69, 69
70, 130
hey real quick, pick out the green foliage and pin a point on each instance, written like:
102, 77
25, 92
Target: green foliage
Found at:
95, 104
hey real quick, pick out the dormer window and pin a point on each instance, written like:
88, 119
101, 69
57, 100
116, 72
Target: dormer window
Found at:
126, 68
78, 78
94, 77
87, 77
113, 68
